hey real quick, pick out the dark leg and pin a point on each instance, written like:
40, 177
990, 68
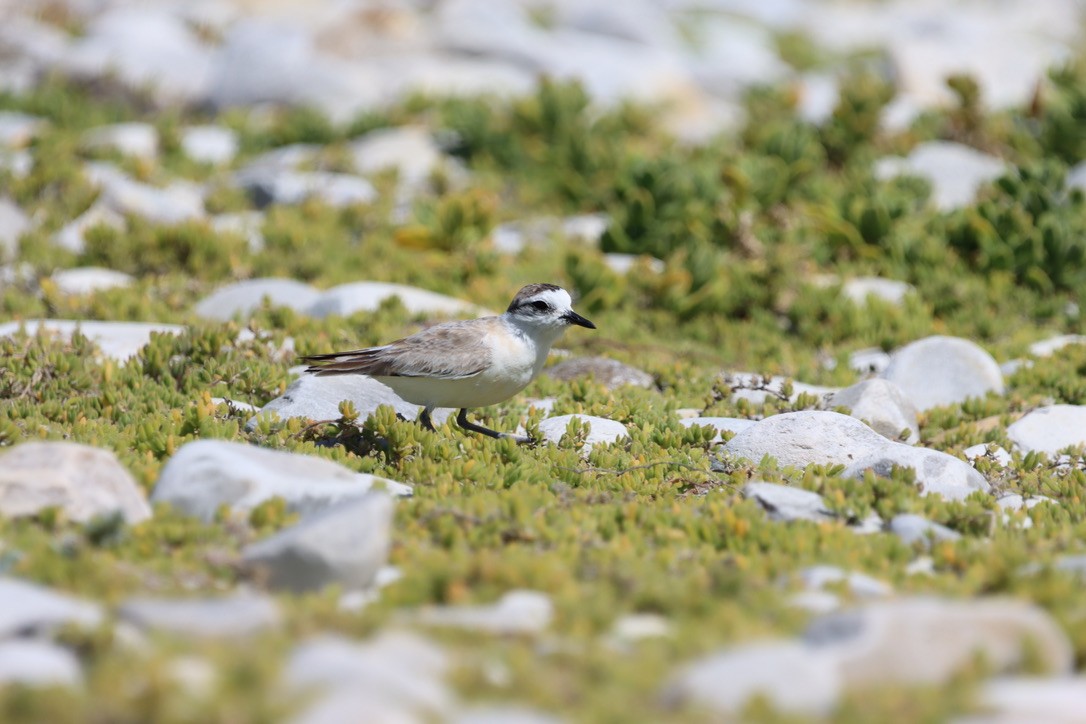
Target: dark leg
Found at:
462, 421
424, 419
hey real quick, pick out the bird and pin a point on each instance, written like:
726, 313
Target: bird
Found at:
466, 364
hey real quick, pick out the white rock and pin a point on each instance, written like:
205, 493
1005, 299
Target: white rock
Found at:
818, 97
82, 481
793, 678
517, 612
1021, 699
817, 602
18, 163
936, 472
515, 236
869, 360
888, 290
173, 204
917, 529
72, 236
785, 503
639, 626
27, 609
13, 224
937, 371
89, 279
410, 151
345, 544
235, 405
209, 144
883, 406
1049, 429
248, 224
1076, 177
601, 430
925, 641
347, 299
1048, 347
808, 437
1014, 501
38, 663
859, 584
18, 129
206, 474
115, 340
502, 715
236, 616
732, 56
998, 455
955, 172
294, 187
243, 298
138, 140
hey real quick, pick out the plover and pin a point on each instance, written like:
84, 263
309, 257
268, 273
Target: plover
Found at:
474, 363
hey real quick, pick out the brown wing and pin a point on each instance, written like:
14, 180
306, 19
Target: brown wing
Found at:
449, 351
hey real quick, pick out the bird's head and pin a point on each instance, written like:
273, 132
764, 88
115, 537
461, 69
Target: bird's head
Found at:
544, 308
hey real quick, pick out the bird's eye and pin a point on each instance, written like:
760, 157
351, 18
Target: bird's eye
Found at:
541, 306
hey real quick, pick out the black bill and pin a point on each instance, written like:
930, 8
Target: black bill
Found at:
574, 318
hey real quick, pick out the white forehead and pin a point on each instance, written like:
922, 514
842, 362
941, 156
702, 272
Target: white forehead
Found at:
557, 298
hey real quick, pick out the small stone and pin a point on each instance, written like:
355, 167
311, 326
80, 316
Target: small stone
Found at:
410, 151
18, 129
1049, 429
246, 224
115, 340
996, 454
1022, 699
209, 144
607, 372
858, 584
193, 675
514, 237
236, 616
1012, 366
818, 602
888, 290
27, 609
138, 140
623, 263
243, 298
13, 224
917, 529
346, 544
38, 663
936, 472
293, 187
793, 678
955, 171
180, 201
84, 482
883, 406
206, 474
517, 612
1048, 347
235, 406
638, 626
785, 503
89, 279
73, 235
926, 641
348, 299
871, 360
1015, 502
18, 164
937, 371
601, 430
798, 439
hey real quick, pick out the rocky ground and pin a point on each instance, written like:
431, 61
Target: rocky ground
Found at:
823, 459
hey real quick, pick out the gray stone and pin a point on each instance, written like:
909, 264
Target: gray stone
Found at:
601, 430
84, 482
347, 299
517, 612
783, 502
410, 151
607, 372
888, 290
798, 439
936, 472
13, 224
18, 129
38, 663
1023, 699
115, 340
247, 224
27, 609
955, 171
883, 406
395, 677
793, 678
1049, 429
624, 263
1048, 347
514, 237
912, 528
293, 187
243, 298
937, 371
89, 279
733, 55
722, 424
72, 236
926, 641
206, 474
318, 398
138, 140
143, 47
346, 545
173, 204
210, 144
858, 584
239, 615
745, 380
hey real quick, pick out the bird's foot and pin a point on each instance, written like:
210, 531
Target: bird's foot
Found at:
463, 421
